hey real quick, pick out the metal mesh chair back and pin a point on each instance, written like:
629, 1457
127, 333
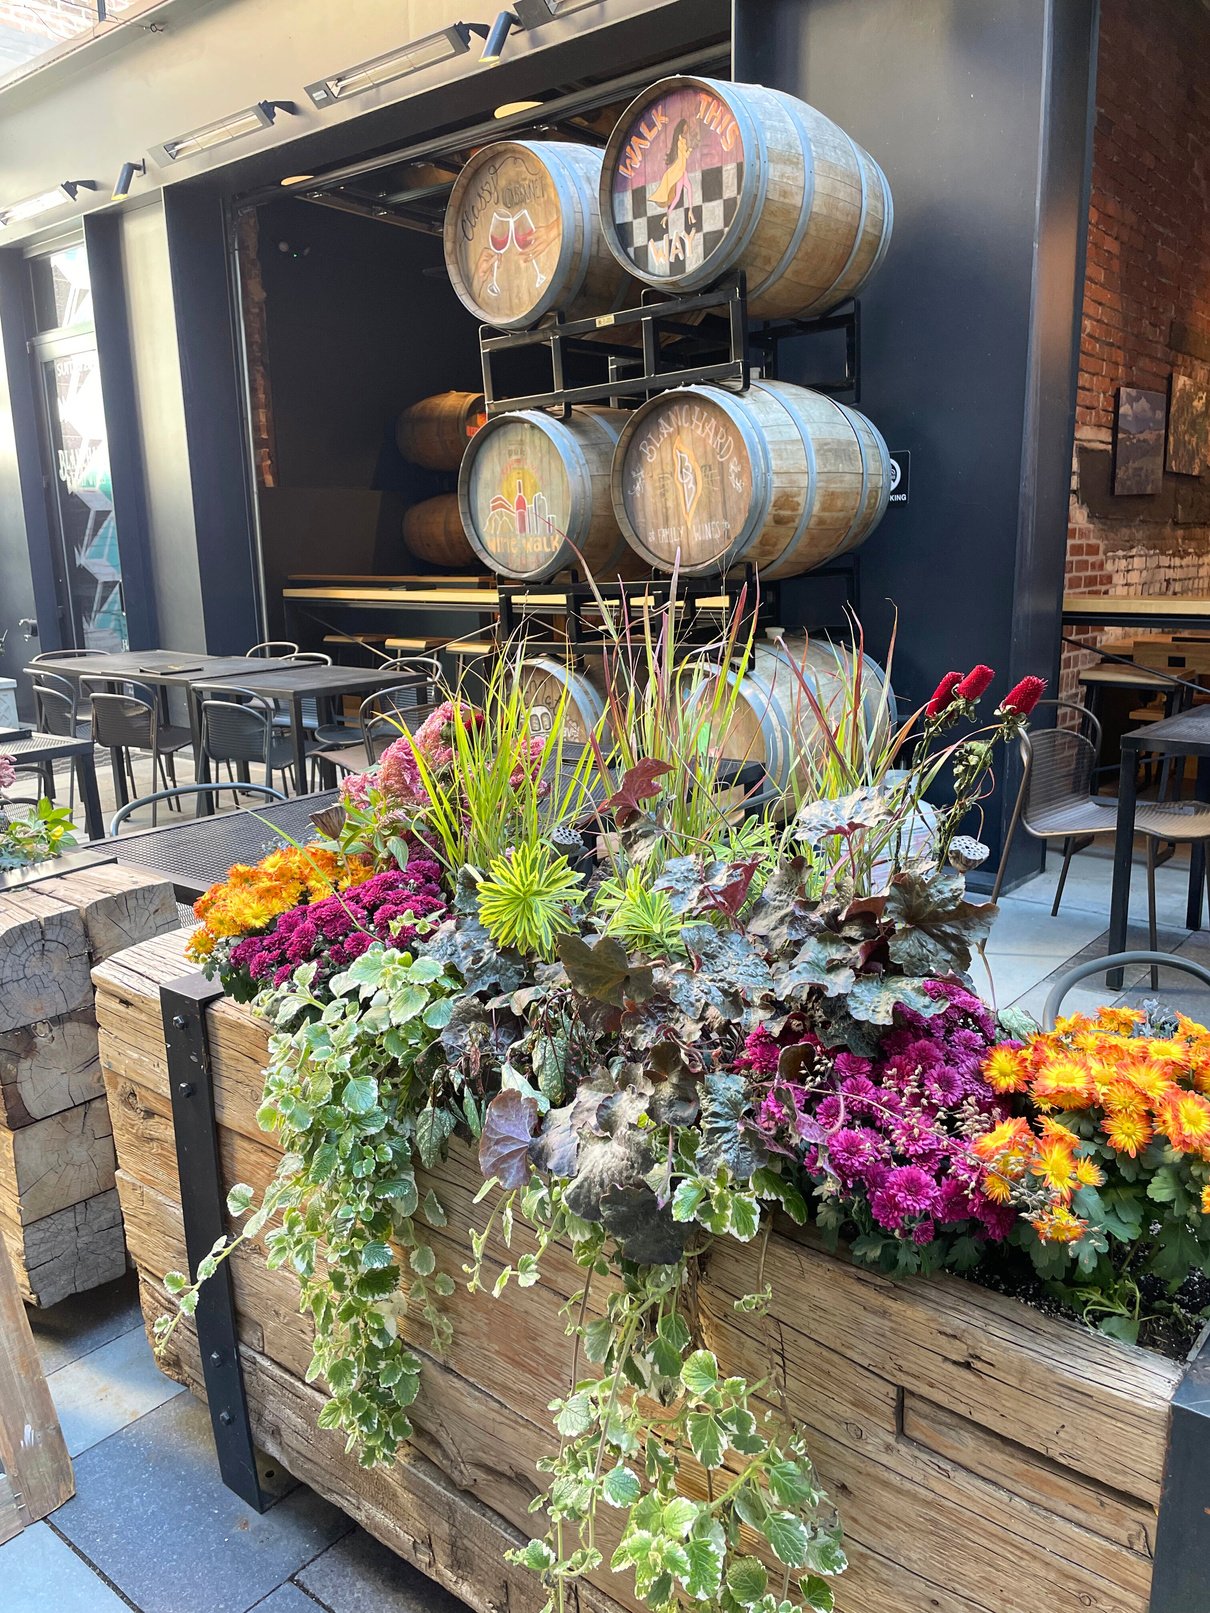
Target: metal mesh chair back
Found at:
385, 714
272, 647
1060, 765
428, 665
122, 721
55, 707
232, 732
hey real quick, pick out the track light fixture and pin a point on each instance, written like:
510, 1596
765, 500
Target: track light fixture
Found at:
72, 187
493, 37
129, 169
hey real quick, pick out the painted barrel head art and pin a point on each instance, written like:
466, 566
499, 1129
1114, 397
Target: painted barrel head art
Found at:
519, 496
677, 180
686, 480
508, 232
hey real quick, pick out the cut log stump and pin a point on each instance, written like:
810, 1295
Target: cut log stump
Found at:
59, 1211
985, 1458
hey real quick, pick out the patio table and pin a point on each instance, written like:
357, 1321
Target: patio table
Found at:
296, 681
36, 748
1185, 734
158, 669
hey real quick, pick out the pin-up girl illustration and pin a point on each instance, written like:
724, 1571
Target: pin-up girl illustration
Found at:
675, 189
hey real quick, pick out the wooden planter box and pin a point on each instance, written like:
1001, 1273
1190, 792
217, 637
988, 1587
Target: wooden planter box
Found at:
985, 1458
58, 1208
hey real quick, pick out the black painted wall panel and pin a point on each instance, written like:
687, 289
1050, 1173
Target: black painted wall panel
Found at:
978, 114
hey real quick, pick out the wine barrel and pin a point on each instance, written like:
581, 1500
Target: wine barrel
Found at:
701, 178
534, 494
773, 721
778, 476
434, 432
547, 682
523, 235
433, 532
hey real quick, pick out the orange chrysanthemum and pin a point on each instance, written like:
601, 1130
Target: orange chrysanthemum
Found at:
1184, 1117
1128, 1131
1089, 1174
1170, 1051
1151, 1079
1206, 1199
1005, 1070
1009, 1137
1120, 1021
1065, 1083
1055, 1166
1059, 1225
997, 1187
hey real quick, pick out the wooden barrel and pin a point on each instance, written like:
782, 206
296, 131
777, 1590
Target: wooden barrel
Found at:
534, 494
773, 721
523, 235
547, 682
778, 476
702, 178
434, 432
433, 532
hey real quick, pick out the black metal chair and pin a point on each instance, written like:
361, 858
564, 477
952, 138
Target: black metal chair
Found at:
125, 723
56, 713
272, 647
382, 718
1055, 801
239, 732
426, 688
179, 791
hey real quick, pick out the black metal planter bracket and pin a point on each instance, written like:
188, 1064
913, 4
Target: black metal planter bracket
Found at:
183, 1004
1180, 1579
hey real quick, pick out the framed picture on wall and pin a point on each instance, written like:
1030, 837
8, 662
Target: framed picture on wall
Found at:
1189, 427
1138, 441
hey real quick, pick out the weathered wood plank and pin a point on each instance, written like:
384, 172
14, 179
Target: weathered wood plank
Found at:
72, 1250
52, 1163
44, 959
120, 906
32, 1452
48, 1066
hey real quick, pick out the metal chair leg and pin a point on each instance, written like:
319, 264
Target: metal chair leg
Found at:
1069, 846
1152, 935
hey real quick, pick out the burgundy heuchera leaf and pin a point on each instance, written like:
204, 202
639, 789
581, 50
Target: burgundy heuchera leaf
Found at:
638, 785
508, 1129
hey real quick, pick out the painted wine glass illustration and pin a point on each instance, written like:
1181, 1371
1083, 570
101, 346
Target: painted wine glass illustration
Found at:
524, 237
499, 234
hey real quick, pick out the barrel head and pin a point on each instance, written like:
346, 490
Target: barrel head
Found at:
684, 481
675, 176
505, 234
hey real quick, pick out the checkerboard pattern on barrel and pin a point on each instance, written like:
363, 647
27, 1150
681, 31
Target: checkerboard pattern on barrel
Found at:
645, 229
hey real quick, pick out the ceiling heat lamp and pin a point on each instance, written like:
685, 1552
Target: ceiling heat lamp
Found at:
441, 46
222, 130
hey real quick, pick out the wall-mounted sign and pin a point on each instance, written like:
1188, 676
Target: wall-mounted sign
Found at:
901, 476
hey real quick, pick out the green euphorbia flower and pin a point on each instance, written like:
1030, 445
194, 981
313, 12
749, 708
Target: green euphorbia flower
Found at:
526, 900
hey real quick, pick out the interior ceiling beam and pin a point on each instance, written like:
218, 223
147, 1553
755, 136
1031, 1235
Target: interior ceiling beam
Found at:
564, 106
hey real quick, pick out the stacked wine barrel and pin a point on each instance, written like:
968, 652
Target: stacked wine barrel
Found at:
699, 179
434, 434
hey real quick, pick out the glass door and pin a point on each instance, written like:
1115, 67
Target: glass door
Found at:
76, 470
81, 498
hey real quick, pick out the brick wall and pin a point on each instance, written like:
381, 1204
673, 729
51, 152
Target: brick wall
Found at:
1146, 297
51, 20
